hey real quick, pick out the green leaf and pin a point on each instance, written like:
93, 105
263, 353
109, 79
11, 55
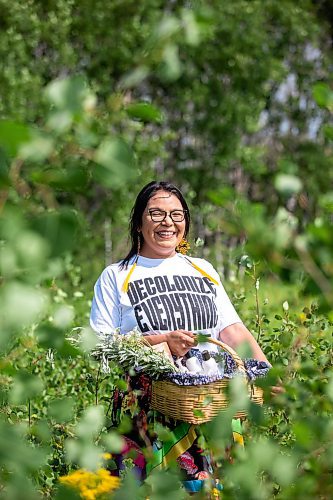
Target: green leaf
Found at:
91, 422
328, 131
288, 184
63, 316
4, 170
38, 149
63, 492
323, 95
121, 384
329, 389
326, 201
22, 303
61, 410
135, 77
67, 93
12, 136
25, 386
32, 250
59, 228
129, 489
144, 112
125, 425
113, 442
163, 433
286, 339
191, 27
116, 166
165, 485
42, 431
202, 337
246, 261
84, 453
60, 121
51, 337
284, 468
198, 413
171, 68
88, 339
72, 178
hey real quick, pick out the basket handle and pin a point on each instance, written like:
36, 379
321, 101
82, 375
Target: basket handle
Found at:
238, 360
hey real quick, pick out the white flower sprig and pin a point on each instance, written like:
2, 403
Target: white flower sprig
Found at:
132, 352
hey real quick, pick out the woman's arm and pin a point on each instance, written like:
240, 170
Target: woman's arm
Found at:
237, 334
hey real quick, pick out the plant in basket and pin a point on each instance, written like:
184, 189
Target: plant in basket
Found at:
133, 354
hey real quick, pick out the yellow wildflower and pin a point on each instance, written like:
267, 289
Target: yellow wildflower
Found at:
302, 317
91, 485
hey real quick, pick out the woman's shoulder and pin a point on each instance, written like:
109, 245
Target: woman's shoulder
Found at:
112, 271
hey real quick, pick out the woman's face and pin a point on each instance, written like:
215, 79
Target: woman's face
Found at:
161, 238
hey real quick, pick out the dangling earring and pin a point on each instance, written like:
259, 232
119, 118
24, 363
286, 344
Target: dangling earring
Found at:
138, 245
183, 246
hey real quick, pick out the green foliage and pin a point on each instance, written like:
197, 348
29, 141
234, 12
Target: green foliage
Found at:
287, 445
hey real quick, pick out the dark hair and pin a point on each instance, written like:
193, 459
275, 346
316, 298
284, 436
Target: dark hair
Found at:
139, 207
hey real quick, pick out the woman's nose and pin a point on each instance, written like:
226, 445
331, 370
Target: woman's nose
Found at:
168, 220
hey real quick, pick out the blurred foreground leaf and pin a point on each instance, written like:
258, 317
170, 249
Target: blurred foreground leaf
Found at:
52, 337
59, 228
62, 409
12, 135
115, 163
25, 386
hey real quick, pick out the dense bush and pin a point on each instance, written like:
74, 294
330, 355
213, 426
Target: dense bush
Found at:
60, 403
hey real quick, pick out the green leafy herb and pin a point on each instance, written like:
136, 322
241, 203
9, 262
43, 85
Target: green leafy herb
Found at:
133, 352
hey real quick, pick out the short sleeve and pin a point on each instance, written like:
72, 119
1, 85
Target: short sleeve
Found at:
105, 316
227, 314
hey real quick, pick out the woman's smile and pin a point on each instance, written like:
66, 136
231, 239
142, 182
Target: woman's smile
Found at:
165, 235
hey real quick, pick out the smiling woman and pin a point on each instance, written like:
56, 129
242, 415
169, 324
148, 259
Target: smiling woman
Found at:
169, 298
163, 226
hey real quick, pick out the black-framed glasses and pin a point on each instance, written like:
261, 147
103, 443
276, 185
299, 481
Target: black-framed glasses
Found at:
159, 215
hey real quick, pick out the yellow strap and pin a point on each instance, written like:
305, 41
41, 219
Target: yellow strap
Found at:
184, 444
124, 288
238, 438
201, 271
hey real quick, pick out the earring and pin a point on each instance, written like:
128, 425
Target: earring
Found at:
139, 245
183, 246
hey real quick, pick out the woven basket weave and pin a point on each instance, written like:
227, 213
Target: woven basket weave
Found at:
200, 403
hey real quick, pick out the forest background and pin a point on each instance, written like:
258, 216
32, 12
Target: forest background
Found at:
230, 100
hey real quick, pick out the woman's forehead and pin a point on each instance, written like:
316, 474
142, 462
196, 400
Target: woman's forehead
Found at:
164, 198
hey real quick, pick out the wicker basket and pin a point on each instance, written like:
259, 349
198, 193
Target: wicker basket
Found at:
190, 403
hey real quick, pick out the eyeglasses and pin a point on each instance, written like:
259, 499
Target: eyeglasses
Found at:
160, 215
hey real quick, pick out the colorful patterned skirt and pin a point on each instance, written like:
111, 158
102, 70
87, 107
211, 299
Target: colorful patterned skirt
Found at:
181, 446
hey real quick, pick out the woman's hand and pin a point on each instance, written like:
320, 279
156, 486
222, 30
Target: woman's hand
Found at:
180, 342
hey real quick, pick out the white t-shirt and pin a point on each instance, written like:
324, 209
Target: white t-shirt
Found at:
163, 295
